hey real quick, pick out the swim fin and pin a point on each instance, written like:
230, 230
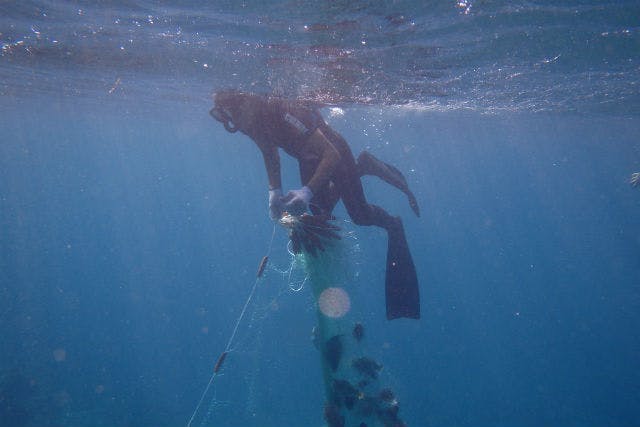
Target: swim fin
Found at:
401, 282
368, 164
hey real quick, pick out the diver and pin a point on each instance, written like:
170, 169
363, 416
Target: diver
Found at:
329, 173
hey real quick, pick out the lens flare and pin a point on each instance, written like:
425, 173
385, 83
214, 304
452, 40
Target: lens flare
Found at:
334, 302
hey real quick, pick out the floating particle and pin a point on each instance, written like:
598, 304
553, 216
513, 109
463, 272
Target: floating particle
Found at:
358, 331
59, 354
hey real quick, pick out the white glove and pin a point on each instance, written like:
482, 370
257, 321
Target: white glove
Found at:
275, 204
296, 202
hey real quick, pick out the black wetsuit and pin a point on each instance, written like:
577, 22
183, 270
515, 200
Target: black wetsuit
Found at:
288, 125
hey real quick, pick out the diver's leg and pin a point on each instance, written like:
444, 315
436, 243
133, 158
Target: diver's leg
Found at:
401, 281
369, 165
325, 199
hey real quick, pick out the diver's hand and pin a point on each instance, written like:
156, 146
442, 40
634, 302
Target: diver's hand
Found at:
296, 202
276, 204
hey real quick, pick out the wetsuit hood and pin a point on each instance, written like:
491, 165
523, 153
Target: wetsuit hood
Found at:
229, 106
222, 115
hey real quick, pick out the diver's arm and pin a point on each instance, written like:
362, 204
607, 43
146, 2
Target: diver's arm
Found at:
272, 164
329, 158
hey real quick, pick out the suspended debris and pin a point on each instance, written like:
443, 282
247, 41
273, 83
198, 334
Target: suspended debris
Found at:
219, 363
263, 264
367, 367
333, 351
358, 331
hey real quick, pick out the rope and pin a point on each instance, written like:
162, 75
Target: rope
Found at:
223, 355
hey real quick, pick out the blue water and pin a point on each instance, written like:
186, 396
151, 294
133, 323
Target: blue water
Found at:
131, 224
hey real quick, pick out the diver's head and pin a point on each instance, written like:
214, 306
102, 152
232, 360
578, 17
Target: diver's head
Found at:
233, 109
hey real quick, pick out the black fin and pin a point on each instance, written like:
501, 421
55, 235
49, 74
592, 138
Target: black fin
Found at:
368, 164
401, 282
413, 203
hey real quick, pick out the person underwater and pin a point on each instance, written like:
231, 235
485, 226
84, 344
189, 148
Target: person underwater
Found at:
329, 173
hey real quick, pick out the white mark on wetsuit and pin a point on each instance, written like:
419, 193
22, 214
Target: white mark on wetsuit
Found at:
293, 121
